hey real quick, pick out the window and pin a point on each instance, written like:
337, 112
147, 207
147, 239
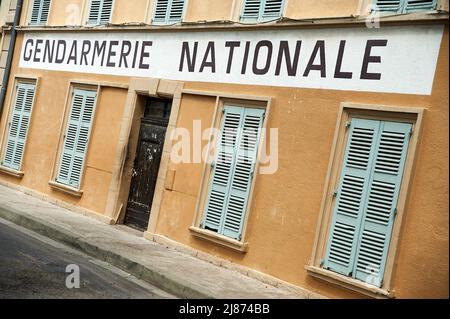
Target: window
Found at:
39, 12
76, 138
403, 6
366, 199
232, 171
18, 126
100, 12
261, 10
168, 11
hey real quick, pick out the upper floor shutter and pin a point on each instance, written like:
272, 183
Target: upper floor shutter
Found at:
100, 11
40, 12
168, 11
389, 5
233, 171
420, 5
76, 138
381, 203
261, 10
18, 126
351, 194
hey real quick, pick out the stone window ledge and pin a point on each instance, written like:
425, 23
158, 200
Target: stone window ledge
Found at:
11, 172
219, 239
349, 283
66, 189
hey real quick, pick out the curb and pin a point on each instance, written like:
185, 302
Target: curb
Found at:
168, 283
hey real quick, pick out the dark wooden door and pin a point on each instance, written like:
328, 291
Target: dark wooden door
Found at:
145, 171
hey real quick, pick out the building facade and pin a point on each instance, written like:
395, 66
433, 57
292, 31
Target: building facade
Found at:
302, 142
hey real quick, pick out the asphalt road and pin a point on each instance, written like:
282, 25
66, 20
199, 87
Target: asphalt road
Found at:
32, 266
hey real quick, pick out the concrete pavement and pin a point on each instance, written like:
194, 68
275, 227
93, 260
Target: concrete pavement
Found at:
33, 266
177, 273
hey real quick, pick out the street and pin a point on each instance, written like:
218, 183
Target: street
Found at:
32, 266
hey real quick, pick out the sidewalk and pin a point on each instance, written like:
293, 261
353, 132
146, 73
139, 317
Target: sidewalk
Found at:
180, 274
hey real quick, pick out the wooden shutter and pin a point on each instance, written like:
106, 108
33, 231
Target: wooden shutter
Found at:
76, 138
380, 207
169, 11
222, 169
349, 204
251, 10
244, 167
389, 5
233, 171
100, 11
272, 9
40, 12
414, 5
18, 127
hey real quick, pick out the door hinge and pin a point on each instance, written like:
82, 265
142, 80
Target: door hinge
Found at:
411, 132
334, 194
322, 262
240, 237
348, 124
395, 211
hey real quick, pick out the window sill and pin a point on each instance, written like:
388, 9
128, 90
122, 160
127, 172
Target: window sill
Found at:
66, 189
348, 283
11, 172
219, 239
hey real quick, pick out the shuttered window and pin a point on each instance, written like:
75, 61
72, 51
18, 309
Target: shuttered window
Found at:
366, 199
39, 12
233, 170
100, 12
18, 126
261, 10
76, 138
169, 11
402, 6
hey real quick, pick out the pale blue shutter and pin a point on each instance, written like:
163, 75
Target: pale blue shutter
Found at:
18, 127
415, 5
168, 11
272, 9
100, 11
251, 10
76, 138
233, 171
390, 5
40, 12
222, 170
243, 170
351, 195
380, 207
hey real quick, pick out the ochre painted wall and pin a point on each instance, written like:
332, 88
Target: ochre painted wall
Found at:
285, 209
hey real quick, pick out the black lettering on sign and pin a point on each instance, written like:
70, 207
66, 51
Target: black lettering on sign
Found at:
338, 74
111, 54
98, 50
60, 58
259, 45
368, 58
245, 60
49, 51
210, 51
85, 49
231, 45
73, 53
186, 54
291, 65
27, 57
124, 53
318, 48
37, 50
145, 54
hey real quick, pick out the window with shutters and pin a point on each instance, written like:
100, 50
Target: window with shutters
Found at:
365, 197
233, 171
100, 12
261, 10
169, 11
39, 12
76, 138
18, 126
404, 6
